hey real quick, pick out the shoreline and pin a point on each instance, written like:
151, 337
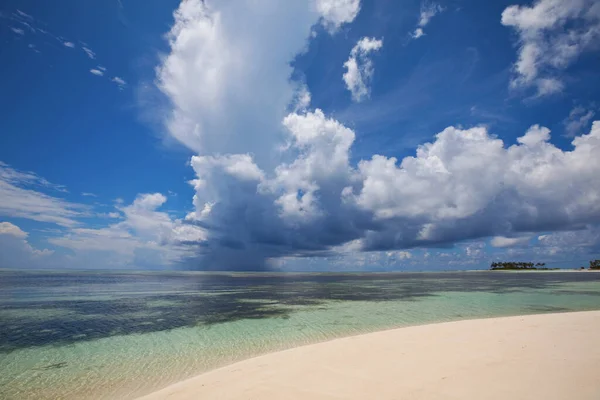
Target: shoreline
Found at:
277, 272
552, 356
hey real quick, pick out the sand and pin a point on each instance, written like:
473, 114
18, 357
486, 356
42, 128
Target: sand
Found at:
551, 356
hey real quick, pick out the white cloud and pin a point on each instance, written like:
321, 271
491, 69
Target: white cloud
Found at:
581, 241
399, 255
112, 215
239, 166
6, 228
28, 22
18, 199
548, 86
428, 11
119, 81
241, 105
302, 99
145, 238
359, 68
272, 184
25, 20
322, 147
24, 15
335, 13
87, 194
467, 183
16, 252
535, 135
552, 34
14, 176
89, 52
442, 181
501, 241
418, 33
578, 120
209, 46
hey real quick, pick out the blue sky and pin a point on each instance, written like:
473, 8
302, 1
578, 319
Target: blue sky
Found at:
352, 135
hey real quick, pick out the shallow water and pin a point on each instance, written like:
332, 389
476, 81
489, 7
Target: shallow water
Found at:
119, 335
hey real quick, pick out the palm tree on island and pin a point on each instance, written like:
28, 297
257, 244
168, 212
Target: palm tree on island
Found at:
520, 265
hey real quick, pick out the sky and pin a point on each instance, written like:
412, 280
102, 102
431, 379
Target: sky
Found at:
314, 135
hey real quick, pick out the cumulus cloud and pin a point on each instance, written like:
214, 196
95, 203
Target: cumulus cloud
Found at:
418, 32
501, 241
428, 11
6, 228
399, 255
278, 185
16, 251
145, 238
97, 72
578, 120
244, 102
467, 184
302, 99
18, 31
335, 13
580, 242
359, 68
552, 34
234, 123
69, 44
209, 43
274, 180
322, 146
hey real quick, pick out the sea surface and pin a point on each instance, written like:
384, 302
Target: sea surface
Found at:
92, 335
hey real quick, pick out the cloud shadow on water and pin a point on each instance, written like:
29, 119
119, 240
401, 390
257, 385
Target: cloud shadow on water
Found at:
64, 308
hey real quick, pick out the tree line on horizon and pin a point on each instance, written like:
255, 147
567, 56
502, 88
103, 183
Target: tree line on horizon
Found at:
520, 265
517, 265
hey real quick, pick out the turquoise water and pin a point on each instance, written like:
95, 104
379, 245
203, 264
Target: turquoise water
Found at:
91, 335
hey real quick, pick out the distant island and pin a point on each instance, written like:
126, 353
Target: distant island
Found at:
521, 266
512, 265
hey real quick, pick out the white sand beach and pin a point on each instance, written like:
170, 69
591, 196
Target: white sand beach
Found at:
551, 356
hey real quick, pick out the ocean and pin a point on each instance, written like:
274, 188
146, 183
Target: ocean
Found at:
107, 335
